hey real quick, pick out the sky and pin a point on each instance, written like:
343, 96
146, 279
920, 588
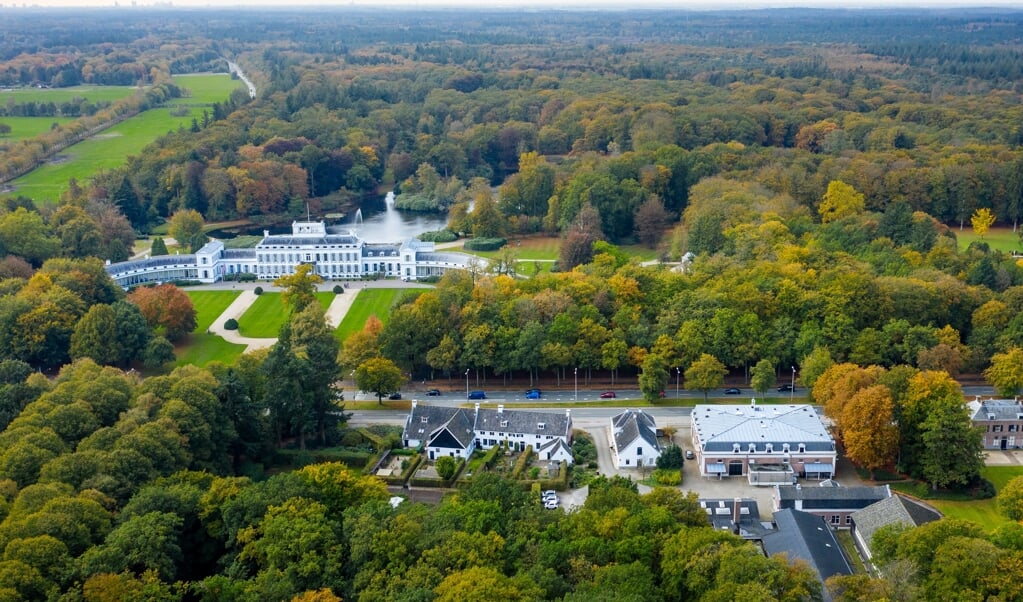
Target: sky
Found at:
577, 4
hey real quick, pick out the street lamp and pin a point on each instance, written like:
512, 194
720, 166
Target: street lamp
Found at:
678, 375
467, 383
792, 389
577, 384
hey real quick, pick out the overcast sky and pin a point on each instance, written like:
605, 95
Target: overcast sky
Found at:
580, 4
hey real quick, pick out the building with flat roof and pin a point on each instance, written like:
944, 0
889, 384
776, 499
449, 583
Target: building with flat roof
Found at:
767, 444
831, 502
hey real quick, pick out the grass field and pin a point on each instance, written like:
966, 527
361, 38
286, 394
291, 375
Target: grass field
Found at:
371, 301
1002, 239
209, 305
109, 149
264, 318
59, 95
201, 349
543, 248
29, 127
983, 512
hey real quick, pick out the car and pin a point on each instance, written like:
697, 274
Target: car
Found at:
476, 395
733, 391
550, 493
608, 395
533, 394
551, 504
537, 391
785, 389
433, 392
689, 454
395, 396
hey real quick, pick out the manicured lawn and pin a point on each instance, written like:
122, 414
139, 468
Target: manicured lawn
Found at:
371, 301
109, 148
264, 318
209, 305
1002, 239
29, 127
61, 95
527, 248
983, 512
201, 349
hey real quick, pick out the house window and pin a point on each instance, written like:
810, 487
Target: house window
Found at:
1012, 428
424, 419
802, 448
997, 428
626, 461
735, 448
504, 424
835, 519
785, 447
848, 519
540, 426
752, 448
639, 451
770, 448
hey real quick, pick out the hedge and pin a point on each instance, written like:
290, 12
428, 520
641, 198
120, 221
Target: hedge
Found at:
354, 459
439, 236
522, 463
485, 244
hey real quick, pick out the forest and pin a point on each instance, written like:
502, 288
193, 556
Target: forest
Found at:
803, 174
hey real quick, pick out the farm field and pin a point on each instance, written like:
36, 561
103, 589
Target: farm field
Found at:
110, 148
371, 301
1002, 239
59, 95
264, 318
29, 127
209, 305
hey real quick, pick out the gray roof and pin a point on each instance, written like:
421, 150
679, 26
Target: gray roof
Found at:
440, 257
151, 262
290, 240
239, 253
554, 445
425, 419
889, 511
995, 409
631, 425
721, 514
804, 536
525, 422
720, 427
380, 250
831, 498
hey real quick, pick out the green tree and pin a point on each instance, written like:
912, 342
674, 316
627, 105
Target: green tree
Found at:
671, 457
705, 374
1006, 372
379, 375
158, 352
953, 447
654, 377
186, 226
92, 336
300, 287
1010, 499
23, 233
762, 376
446, 467
159, 247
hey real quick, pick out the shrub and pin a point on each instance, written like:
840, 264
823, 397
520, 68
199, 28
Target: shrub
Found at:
258, 290
338, 289
485, 244
668, 478
439, 236
231, 324
446, 467
671, 457
351, 439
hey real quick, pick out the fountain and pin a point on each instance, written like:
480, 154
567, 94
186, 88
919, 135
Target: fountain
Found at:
357, 220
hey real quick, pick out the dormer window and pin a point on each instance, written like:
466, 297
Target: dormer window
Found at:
540, 426
785, 447
802, 448
770, 448
752, 448
735, 448
424, 419
504, 424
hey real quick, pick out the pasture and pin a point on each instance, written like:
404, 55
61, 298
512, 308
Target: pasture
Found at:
370, 302
264, 318
91, 93
109, 148
29, 127
1002, 239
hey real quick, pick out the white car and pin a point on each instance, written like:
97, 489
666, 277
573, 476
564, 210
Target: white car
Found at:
550, 493
551, 504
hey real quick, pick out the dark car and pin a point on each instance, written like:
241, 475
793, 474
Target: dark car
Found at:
395, 396
533, 394
785, 388
477, 395
733, 391
433, 392
608, 395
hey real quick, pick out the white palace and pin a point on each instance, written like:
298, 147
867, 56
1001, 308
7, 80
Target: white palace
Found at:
334, 257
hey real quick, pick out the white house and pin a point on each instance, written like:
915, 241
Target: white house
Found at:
634, 439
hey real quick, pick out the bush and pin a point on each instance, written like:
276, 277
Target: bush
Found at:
338, 289
446, 467
668, 478
231, 324
439, 236
671, 457
258, 290
485, 244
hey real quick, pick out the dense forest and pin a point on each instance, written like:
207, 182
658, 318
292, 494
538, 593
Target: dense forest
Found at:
806, 171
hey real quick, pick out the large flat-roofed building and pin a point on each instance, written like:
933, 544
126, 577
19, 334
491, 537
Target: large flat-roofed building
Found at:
334, 256
767, 444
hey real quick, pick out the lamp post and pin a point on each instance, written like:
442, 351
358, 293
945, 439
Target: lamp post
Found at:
678, 376
577, 384
792, 389
467, 383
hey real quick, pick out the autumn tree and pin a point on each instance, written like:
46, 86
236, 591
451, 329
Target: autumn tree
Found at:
841, 200
186, 226
650, 221
869, 431
1006, 372
300, 287
167, 309
981, 221
705, 373
379, 375
1010, 499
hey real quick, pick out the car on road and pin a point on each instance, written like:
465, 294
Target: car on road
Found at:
689, 454
476, 395
550, 493
785, 389
733, 391
433, 392
395, 396
534, 390
533, 394
608, 395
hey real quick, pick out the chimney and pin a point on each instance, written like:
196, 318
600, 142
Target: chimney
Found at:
568, 413
414, 404
500, 409
477, 407
737, 512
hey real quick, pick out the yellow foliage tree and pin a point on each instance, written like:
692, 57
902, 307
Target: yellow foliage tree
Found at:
840, 200
981, 221
870, 435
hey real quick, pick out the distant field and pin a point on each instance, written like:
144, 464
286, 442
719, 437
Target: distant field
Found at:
110, 148
1002, 239
371, 301
526, 248
209, 305
265, 317
59, 95
29, 127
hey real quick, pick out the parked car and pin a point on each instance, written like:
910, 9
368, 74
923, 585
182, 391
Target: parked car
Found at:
785, 388
533, 394
608, 395
477, 395
550, 493
433, 392
689, 454
551, 504
733, 391
395, 396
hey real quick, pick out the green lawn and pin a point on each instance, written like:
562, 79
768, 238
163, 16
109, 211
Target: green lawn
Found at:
209, 305
29, 127
371, 301
526, 249
60, 95
201, 349
264, 318
1002, 239
109, 148
983, 512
